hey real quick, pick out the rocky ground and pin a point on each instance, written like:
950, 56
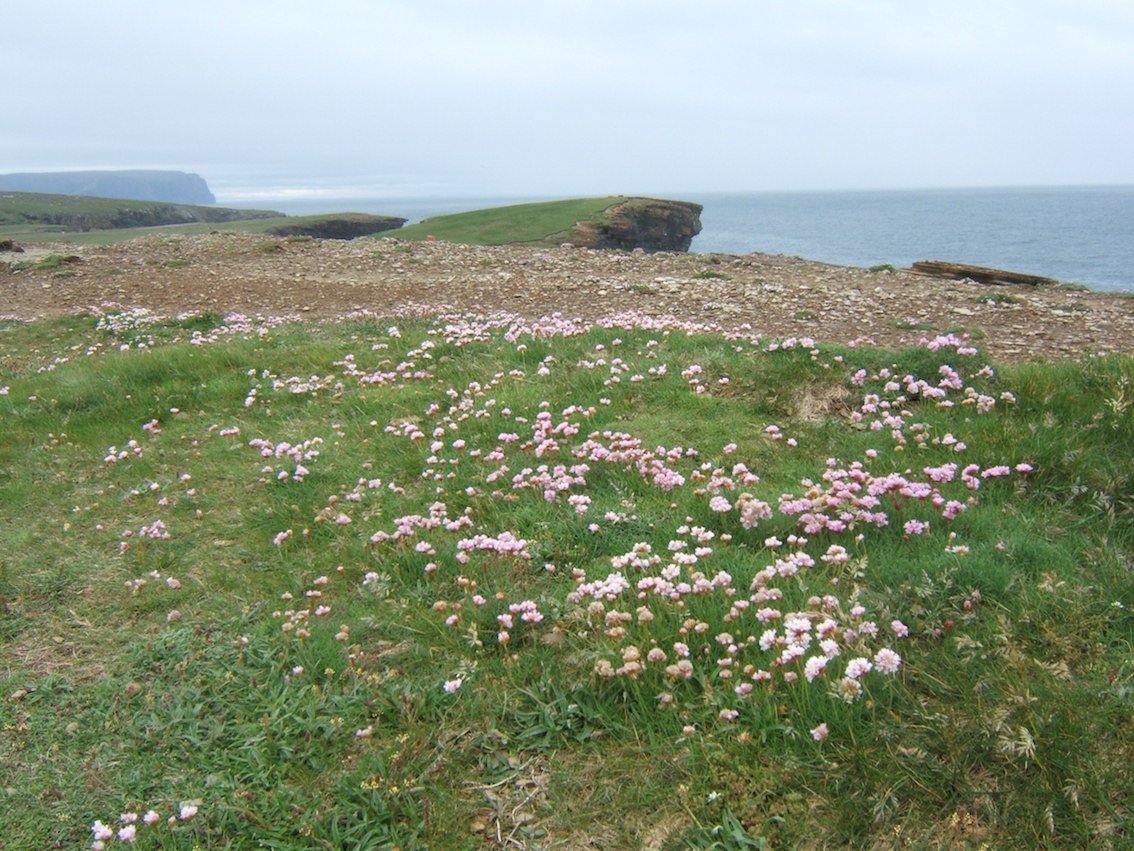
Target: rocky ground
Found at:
776, 296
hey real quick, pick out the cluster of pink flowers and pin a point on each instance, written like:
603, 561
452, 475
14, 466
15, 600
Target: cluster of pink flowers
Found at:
853, 497
297, 621
504, 544
155, 531
114, 454
624, 450
300, 454
130, 822
666, 612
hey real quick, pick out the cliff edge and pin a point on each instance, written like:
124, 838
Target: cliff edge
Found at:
651, 224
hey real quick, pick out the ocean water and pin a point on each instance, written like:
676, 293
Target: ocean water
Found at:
1082, 235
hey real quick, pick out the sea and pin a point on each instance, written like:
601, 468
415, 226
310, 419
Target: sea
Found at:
1081, 235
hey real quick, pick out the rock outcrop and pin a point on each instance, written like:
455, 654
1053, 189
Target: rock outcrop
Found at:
980, 274
176, 187
344, 226
647, 223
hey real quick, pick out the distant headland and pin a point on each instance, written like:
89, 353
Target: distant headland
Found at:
175, 187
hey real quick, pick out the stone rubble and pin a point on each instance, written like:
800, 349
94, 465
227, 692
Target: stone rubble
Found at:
772, 295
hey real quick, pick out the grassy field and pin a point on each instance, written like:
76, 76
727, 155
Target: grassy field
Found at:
466, 582
29, 218
33, 216
515, 224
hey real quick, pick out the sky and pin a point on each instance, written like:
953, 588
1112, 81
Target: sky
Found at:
275, 99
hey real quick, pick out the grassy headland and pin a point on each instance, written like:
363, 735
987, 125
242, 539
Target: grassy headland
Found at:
545, 221
463, 582
33, 217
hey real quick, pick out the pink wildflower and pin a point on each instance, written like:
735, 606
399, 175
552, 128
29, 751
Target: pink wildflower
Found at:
820, 733
887, 661
101, 831
916, 527
858, 667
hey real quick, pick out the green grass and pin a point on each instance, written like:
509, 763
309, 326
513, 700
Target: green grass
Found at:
217, 682
27, 217
31, 216
518, 223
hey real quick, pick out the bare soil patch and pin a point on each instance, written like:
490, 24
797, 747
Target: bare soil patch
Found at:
772, 296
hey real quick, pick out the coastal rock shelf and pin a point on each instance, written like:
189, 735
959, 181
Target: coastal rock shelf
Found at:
980, 274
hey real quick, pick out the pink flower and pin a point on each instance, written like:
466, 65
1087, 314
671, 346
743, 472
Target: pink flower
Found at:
858, 667
720, 504
815, 667
451, 686
820, 733
101, 831
128, 833
916, 527
887, 661
188, 811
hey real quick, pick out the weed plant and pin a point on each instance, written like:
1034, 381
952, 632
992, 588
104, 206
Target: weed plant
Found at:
469, 581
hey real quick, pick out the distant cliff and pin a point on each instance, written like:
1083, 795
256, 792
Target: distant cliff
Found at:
175, 187
647, 223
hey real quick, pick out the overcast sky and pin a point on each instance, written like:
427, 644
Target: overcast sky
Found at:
573, 97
